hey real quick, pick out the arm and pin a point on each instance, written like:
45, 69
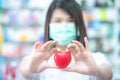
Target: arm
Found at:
104, 72
86, 64
24, 68
38, 60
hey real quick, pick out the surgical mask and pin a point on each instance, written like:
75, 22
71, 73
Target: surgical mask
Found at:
64, 33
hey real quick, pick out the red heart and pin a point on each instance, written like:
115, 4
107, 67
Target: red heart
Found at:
62, 59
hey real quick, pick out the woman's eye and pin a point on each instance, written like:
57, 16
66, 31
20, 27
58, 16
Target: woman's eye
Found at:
71, 20
57, 21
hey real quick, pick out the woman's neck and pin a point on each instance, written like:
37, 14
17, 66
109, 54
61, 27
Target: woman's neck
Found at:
62, 48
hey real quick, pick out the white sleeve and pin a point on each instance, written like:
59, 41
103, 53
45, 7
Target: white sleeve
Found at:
100, 58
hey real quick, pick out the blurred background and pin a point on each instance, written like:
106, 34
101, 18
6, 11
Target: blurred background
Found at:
22, 24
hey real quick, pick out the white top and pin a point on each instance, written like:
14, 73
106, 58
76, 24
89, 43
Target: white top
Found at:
57, 74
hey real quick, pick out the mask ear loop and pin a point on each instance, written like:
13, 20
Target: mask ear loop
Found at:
54, 46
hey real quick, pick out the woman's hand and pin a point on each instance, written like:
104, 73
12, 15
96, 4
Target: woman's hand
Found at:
41, 55
84, 62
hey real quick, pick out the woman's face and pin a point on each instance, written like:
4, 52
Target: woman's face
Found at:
60, 16
62, 27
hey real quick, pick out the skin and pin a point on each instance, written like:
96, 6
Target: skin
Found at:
84, 61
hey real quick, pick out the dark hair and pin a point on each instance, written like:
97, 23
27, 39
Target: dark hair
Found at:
72, 8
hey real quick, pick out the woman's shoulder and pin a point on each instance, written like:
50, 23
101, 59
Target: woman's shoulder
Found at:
100, 58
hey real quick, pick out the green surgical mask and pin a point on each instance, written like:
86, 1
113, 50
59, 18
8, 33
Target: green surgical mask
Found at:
64, 33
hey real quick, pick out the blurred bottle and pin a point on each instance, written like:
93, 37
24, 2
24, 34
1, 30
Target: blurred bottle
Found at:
1, 35
2, 66
1, 39
13, 69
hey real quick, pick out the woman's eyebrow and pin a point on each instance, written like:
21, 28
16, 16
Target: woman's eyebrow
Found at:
71, 19
55, 18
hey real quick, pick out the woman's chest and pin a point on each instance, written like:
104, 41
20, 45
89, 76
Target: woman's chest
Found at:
54, 74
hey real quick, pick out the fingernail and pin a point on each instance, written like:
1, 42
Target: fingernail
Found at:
85, 37
73, 41
55, 41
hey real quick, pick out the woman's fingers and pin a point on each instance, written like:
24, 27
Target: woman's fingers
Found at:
50, 53
86, 43
83, 50
80, 45
44, 50
46, 46
36, 46
71, 48
74, 49
50, 46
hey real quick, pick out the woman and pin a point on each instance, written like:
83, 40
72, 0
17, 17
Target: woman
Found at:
65, 31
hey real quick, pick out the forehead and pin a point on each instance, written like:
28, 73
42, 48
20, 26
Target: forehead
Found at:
60, 13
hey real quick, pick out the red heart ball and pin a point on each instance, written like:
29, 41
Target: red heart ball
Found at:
62, 59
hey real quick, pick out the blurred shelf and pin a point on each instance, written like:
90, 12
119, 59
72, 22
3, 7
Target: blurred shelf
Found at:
17, 25
21, 8
21, 42
102, 16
